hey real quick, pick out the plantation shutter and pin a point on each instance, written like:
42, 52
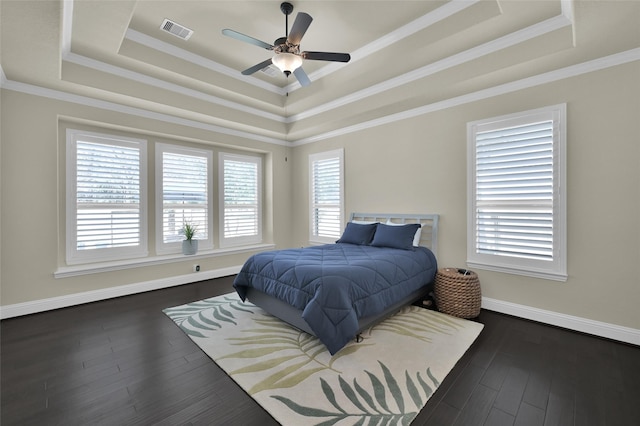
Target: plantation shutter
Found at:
108, 196
326, 196
515, 191
241, 196
184, 195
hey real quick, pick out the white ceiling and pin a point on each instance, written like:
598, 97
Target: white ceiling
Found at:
407, 56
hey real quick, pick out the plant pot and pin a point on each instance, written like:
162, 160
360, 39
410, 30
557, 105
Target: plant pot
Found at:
189, 247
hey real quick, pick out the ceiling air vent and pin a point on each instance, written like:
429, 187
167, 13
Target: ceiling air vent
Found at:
271, 71
176, 29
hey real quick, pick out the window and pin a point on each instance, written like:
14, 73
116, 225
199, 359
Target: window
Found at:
241, 188
183, 195
108, 216
517, 204
326, 179
106, 197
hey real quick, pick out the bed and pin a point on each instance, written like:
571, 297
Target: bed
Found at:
381, 263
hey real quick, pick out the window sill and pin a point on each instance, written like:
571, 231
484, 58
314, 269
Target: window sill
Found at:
97, 268
547, 275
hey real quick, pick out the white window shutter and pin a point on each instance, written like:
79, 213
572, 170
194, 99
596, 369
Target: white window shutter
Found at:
517, 202
241, 187
183, 195
514, 191
106, 197
326, 193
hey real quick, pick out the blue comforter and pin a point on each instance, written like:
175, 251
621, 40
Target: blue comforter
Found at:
335, 284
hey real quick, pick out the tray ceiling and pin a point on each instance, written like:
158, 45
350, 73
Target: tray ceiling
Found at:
405, 55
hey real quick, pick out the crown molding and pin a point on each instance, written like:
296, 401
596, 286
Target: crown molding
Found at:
560, 21
177, 52
548, 77
508, 40
138, 112
419, 24
67, 27
67, 55
416, 25
162, 84
437, 15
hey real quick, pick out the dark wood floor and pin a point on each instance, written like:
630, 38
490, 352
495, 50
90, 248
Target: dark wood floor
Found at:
123, 362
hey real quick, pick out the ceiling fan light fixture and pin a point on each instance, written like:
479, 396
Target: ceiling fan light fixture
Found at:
287, 62
287, 56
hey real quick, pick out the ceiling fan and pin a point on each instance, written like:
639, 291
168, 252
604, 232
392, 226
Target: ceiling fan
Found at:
288, 57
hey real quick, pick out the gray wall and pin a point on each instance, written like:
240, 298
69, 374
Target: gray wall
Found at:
416, 165
419, 165
33, 144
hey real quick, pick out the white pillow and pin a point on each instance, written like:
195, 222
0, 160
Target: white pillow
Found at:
416, 236
364, 222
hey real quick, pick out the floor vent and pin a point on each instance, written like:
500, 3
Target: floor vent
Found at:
176, 29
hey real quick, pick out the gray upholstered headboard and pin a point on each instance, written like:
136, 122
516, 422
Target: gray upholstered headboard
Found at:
429, 222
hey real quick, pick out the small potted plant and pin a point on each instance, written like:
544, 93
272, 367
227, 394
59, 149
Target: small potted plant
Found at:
189, 245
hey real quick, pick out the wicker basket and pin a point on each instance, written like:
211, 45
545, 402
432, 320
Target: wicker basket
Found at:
458, 294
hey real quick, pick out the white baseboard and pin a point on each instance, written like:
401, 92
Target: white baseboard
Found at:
26, 308
597, 328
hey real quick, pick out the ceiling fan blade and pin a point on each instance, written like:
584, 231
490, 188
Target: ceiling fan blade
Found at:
302, 77
257, 67
247, 39
299, 27
327, 56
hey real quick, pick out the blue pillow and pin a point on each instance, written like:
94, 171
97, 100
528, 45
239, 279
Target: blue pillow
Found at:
356, 233
400, 237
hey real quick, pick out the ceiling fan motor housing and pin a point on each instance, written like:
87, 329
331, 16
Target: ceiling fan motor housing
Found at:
286, 8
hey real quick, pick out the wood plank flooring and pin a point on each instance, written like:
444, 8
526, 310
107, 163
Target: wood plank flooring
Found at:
123, 362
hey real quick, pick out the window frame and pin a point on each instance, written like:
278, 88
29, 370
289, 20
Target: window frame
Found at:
313, 232
73, 255
556, 268
176, 246
236, 241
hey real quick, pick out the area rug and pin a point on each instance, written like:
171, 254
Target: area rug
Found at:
384, 379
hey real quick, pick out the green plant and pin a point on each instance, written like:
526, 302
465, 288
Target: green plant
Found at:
189, 230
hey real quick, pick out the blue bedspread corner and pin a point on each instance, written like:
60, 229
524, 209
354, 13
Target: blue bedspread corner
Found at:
240, 289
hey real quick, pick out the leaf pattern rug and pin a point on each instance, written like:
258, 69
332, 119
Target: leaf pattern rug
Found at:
385, 379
